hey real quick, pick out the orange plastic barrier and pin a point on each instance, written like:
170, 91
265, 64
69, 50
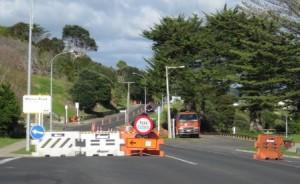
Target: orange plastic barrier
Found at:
268, 147
141, 146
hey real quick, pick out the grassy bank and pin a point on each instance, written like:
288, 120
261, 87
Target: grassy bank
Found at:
23, 151
5, 141
61, 97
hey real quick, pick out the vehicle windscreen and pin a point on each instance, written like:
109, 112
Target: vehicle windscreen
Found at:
187, 117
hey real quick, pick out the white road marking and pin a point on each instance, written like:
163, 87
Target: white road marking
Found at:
182, 160
8, 160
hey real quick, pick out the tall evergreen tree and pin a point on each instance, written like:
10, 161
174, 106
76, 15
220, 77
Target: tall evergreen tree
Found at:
258, 54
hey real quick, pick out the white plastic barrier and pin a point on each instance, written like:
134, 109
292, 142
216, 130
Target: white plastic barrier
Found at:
103, 143
56, 144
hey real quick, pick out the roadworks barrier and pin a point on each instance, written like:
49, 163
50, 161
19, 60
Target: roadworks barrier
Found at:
136, 145
65, 144
268, 147
125, 142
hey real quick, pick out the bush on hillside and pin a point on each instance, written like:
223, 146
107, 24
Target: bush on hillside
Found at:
9, 110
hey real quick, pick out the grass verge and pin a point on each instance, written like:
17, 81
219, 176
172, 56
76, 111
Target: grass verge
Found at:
296, 138
5, 141
23, 151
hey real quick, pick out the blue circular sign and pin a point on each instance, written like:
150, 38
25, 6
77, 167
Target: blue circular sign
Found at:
37, 132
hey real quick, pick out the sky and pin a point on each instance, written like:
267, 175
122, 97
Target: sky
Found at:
116, 25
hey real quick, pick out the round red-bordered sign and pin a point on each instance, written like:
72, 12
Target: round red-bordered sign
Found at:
143, 124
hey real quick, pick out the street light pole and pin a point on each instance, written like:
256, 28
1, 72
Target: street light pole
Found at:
145, 91
168, 104
168, 98
127, 119
282, 104
286, 125
51, 85
29, 74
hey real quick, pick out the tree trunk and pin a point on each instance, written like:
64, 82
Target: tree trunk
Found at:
255, 121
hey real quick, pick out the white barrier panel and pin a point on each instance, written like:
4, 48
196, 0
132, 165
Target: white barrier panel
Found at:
103, 143
56, 144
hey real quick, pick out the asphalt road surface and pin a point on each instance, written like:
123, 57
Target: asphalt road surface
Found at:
210, 159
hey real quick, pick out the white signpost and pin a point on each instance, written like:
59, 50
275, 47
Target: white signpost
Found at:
34, 104
66, 118
77, 111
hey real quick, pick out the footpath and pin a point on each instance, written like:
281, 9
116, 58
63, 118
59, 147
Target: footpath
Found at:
8, 151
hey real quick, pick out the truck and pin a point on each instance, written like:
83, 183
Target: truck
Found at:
187, 124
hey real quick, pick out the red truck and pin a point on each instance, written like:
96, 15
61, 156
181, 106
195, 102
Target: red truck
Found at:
187, 124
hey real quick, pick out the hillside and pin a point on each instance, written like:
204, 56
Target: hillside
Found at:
61, 97
13, 55
13, 70
66, 70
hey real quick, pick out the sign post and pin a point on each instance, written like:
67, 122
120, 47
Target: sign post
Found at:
77, 111
158, 120
66, 118
35, 104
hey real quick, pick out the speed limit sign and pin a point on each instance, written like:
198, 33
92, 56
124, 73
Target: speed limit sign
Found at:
143, 124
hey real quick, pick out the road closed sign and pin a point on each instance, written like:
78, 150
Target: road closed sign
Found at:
143, 124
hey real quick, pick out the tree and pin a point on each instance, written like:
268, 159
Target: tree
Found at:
77, 37
9, 110
121, 64
175, 43
287, 12
258, 54
21, 31
89, 89
125, 73
187, 41
53, 45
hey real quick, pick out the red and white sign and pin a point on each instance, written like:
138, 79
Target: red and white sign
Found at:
143, 124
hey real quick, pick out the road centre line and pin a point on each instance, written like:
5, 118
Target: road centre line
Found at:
182, 160
8, 160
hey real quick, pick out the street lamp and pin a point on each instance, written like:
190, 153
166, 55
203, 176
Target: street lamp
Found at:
145, 90
168, 98
51, 83
282, 104
29, 74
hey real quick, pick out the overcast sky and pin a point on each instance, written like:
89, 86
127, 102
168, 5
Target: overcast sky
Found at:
116, 25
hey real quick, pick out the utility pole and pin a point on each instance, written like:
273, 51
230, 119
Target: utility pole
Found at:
127, 118
29, 74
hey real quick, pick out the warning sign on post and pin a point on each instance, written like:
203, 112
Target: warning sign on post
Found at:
36, 104
143, 124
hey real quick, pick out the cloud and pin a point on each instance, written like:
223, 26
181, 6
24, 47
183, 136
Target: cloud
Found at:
117, 25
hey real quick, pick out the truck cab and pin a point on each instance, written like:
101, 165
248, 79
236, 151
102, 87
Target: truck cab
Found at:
187, 124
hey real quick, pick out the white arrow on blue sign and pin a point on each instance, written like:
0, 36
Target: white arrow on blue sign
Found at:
37, 132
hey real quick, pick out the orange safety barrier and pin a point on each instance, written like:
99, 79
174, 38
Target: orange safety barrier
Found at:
268, 147
135, 145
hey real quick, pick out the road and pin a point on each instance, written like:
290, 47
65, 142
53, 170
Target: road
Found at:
107, 122
210, 159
